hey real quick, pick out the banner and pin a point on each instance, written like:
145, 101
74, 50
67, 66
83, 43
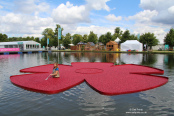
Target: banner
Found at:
47, 41
9, 49
59, 33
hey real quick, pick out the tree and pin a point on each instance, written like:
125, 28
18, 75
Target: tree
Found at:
169, 38
117, 33
55, 41
3, 37
102, 39
77, 38
92, 37
105, 38
126, 36
37, 39
85, 38
133, 37
48, 33
56, 29
149, 39
67, 40
108, 37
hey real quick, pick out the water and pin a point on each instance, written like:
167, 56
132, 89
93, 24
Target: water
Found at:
82, 100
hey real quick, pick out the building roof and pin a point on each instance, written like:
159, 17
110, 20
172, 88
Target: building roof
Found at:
91, 43
100, 43
113, 42
18, 42
81, 43
131, 42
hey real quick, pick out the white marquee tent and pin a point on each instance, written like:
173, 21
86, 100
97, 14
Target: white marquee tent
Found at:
131, 45
117, 40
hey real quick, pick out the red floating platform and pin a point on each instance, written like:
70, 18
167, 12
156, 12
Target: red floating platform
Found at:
106, 78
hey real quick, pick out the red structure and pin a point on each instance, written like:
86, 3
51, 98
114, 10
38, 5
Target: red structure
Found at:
105, 78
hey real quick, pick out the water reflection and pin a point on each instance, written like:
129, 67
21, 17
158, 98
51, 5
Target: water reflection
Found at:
149, 59
131, 58
169, 61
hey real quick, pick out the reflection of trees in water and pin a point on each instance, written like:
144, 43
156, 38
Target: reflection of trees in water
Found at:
169, 61
77, 55
94, 57
91, 56
149, 59
52, 57
67, 56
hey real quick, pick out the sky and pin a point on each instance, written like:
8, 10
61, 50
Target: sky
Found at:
31, 17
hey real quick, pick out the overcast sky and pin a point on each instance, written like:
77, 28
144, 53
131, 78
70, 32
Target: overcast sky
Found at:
31, 17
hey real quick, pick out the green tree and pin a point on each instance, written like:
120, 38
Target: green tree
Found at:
133, 37
126, 36
67, 40
77, 38
102, 39
48, 33
117, 33
37, 39
3, 37
85, 38
169, 38
149, 39
56, 29
105, 38
92, 37
68, 36
108, 37
55, 41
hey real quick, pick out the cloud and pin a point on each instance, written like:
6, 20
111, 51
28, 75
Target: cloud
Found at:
144, 16
164, 8
13, 23
69, 14
113, 18
159, 31
171, 10
97, 4
30, 6
99, 30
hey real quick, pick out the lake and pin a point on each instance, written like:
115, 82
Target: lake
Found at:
81, 100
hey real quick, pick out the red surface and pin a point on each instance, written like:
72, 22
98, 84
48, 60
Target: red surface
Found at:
103, 77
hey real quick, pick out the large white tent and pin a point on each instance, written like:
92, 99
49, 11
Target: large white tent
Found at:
131, 45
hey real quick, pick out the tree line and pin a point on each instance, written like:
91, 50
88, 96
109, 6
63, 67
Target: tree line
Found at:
148, 39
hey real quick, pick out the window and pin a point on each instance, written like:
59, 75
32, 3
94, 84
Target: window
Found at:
6, 46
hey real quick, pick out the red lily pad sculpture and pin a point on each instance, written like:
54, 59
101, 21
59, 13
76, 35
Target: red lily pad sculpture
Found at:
105, 78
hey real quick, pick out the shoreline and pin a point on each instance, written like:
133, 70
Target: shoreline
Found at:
130, 52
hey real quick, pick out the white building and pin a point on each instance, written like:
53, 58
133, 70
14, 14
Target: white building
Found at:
22, 45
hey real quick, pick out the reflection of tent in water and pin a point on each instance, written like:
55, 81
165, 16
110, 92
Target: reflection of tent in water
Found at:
132, 45
131, 58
